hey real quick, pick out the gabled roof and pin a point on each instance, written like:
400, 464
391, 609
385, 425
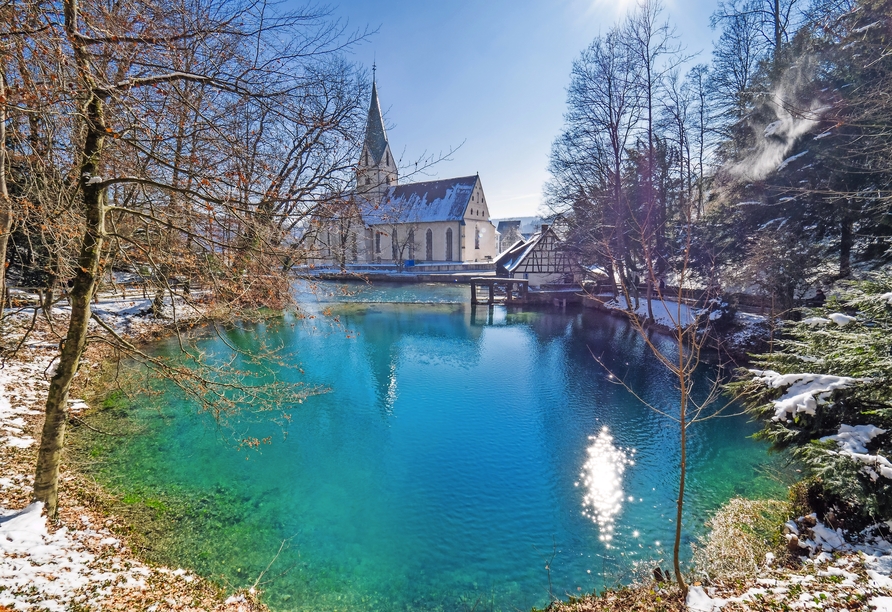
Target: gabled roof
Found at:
505, 225
375, 136
514, 256
444, 200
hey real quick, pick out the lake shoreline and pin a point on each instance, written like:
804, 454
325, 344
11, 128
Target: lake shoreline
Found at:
80, 498
104, 568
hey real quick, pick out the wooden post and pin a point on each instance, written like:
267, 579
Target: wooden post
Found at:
473, 292
492, 295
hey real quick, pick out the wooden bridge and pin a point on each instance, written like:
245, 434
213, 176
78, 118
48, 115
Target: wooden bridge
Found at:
501, 290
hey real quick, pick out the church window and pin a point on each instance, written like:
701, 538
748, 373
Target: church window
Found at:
387, 155
377, 243
429, 245
354, 248
411, 244
367, 157
368, 180
449, 244
476, 237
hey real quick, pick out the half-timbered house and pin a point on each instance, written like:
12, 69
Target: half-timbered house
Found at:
541, 259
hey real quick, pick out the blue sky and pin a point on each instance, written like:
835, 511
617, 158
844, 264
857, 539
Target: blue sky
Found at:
490, 76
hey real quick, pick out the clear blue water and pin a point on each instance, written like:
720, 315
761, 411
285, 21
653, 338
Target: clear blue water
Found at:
463, 459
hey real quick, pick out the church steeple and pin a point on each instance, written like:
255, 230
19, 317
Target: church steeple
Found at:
376, 169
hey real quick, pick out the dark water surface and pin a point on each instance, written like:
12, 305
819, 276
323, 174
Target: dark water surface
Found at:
463, 459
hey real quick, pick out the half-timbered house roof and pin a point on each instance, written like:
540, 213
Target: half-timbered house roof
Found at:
541, 253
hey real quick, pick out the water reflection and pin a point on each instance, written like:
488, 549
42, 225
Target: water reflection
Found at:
602, 479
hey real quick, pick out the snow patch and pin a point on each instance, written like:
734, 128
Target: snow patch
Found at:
805, 392
865, 28
841, 319
42, 569
813, 321
698, 601
666, 313
874, 465
881, 604
854, 438
791, 159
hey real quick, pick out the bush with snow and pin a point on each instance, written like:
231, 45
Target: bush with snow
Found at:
826, 393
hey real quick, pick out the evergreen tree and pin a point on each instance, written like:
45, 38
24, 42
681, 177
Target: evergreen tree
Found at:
825, 393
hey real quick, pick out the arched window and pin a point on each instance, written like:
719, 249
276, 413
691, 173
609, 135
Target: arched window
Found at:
377, 243
411, 244
387, 157
476, 237
449, 244
367, 157
429, 245
368, 180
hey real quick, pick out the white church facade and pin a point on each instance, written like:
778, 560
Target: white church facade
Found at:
383, 221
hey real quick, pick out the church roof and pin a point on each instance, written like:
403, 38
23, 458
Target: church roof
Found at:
375, 136
444, 200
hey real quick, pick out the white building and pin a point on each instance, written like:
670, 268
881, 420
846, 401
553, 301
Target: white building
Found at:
384, 221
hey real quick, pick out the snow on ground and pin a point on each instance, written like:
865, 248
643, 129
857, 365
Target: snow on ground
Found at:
77, 563
834, 575
667, 313
22, 384
54, 571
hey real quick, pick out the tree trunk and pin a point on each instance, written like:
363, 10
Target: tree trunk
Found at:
845, 243
49, 456
5, 201
777, 33
682, 467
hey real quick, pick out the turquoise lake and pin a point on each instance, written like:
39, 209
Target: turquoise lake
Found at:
462, 459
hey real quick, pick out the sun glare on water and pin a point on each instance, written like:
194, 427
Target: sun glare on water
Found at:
602, 481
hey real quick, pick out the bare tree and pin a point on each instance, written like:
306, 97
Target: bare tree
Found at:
655, 51
193, 138
588, 157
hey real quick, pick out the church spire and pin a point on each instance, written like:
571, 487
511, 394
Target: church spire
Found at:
375, 136
377, 169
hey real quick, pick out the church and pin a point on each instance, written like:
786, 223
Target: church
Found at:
383, 221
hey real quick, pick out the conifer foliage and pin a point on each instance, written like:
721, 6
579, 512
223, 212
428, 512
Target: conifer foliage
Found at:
825, 393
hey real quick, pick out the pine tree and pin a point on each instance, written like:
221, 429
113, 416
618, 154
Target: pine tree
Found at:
826, 395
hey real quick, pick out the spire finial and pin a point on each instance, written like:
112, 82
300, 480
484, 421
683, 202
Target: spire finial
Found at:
374, 68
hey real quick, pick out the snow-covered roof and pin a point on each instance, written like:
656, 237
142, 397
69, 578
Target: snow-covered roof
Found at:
430, 201
526, 225
514, 256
